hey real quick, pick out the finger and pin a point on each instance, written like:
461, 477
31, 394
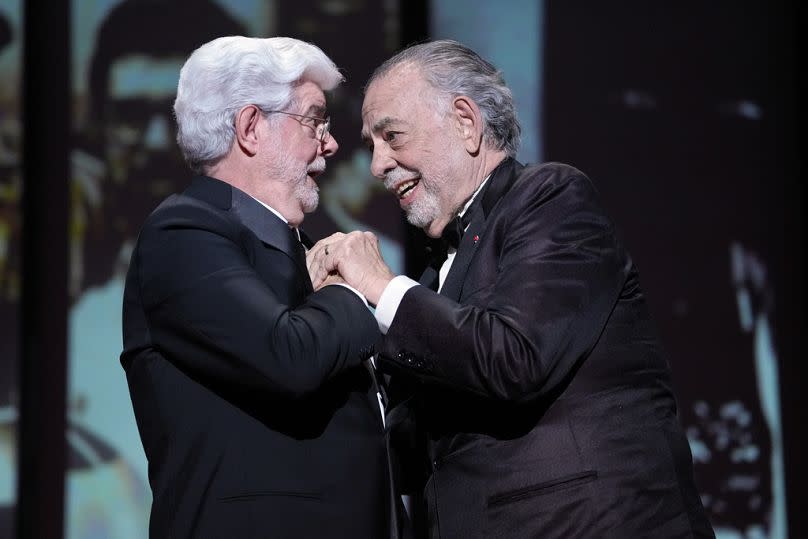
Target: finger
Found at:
318, 273
314, 266
311, 260
315, 254
328, 239
331, 257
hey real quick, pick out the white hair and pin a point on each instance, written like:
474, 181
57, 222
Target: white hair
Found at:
454, 69
226, 74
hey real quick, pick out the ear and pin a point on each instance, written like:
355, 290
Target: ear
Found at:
246, 124
469, 123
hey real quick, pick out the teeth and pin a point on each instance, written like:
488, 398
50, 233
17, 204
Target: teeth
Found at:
404, 187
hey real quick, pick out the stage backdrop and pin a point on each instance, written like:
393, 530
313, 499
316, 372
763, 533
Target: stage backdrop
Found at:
681, 114
10, 285
126, 61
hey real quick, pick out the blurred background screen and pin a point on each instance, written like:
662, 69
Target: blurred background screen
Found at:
681, 113
10, 286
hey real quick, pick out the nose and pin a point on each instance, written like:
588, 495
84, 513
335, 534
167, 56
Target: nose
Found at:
329, 146
381, 163
157, 135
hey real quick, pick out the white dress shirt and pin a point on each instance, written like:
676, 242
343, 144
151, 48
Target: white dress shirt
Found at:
394, 291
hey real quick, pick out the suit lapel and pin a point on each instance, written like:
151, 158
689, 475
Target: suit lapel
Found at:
429, 278
305, 239
267, 226
502, 179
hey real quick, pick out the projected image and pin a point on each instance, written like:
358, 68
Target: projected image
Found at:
680, 166
127, 57
10, 218
124, 162
725, 436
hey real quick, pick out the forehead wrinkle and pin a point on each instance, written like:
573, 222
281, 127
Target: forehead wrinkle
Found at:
378, 126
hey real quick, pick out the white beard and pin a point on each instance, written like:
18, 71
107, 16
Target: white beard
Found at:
307, 195
427, 207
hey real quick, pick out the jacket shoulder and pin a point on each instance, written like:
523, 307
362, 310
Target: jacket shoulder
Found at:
181, 211
535, 183
551, 171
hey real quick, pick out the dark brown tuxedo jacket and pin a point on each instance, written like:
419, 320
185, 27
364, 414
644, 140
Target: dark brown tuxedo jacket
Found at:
536, 377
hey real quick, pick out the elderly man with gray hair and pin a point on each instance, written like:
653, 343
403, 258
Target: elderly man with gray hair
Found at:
541, 397
256, 410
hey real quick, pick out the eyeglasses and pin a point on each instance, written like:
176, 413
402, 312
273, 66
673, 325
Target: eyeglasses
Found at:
321, 126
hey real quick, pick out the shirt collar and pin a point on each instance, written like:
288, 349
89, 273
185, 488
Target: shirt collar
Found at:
281, 217
473, 196
270, 208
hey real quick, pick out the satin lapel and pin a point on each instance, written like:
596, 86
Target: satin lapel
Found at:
502, 179
465, 252
429, 278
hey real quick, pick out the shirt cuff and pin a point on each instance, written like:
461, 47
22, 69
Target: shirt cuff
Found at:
352, 289
390, 300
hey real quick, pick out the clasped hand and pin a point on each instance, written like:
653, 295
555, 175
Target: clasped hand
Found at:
353, 259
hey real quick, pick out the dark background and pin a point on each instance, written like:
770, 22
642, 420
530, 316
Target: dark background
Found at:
684, 114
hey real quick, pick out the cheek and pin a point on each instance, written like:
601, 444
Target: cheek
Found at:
438, 171
306, 151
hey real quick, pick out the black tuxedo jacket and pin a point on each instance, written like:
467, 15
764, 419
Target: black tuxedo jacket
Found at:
539, 382
256, 414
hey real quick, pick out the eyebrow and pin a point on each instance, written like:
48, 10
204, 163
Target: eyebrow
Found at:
318, 110
382, 124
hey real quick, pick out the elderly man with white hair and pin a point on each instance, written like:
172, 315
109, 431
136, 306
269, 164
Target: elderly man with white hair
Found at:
256, 410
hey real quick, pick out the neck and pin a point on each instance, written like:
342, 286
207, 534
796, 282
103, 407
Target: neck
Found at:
274, 193
491, 162
483, 166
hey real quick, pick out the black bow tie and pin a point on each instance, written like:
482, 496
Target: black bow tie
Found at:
454, 230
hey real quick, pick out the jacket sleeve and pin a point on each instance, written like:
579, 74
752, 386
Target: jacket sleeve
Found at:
547, 298
206, 309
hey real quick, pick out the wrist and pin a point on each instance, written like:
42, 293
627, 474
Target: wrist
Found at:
375, 290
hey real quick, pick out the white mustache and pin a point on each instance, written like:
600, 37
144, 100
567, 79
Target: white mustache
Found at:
396, 175
318, 165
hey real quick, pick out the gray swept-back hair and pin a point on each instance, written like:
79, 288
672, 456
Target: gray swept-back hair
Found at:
454, 69
229, 73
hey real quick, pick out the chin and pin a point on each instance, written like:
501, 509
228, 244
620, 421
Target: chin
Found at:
309, 200
310, 205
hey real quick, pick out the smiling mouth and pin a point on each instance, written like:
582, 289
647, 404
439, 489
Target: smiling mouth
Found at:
404, 188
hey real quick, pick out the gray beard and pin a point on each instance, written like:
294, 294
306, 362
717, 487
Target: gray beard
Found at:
308, 197
424, 210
